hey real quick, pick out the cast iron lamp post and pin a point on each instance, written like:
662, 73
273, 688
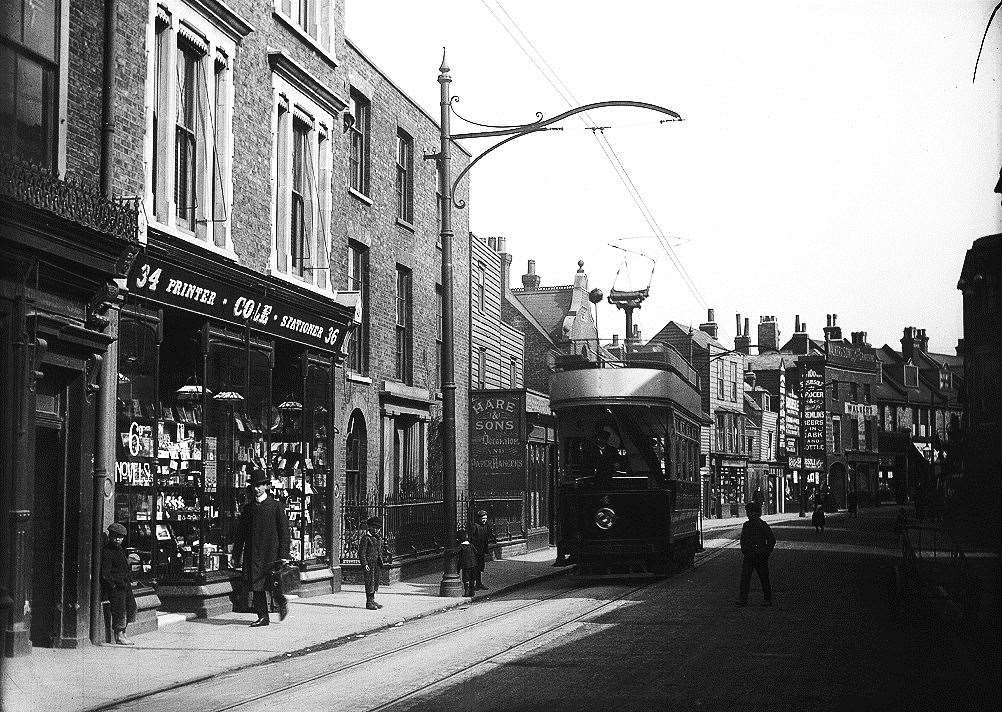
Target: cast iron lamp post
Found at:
451, 584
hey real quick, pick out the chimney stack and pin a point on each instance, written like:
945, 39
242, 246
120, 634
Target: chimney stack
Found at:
742, 342
960, 347
492, 242
833, 332
859, 339
750, 379
801, 341
768, 334
923, 341
911, 341
709, 326
530, 280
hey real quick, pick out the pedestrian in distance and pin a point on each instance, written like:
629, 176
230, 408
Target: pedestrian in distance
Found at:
370, 556
116, 582
467, 563
484, 542
818, 519
851, 503
261, 543
757, 542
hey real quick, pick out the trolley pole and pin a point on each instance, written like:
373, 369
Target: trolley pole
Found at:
451, 584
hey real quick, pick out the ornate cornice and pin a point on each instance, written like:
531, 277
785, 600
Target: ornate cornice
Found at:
291, 71
225, 19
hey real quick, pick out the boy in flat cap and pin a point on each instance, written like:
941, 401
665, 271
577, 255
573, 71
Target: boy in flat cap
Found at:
116, 582
483, 540
262, 540
757, 542
370, 556
467, 563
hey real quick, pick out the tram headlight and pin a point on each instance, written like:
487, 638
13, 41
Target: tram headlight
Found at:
605, 518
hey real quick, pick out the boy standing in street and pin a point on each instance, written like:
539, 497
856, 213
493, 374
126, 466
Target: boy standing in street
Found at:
757, 542
467, 563
483, 539
116, 582
370, 556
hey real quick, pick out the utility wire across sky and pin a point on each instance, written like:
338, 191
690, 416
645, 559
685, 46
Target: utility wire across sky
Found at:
553, 79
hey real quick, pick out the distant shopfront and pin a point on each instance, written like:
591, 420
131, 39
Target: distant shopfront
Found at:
222, 370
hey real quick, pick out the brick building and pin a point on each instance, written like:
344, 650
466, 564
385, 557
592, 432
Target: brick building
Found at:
66, 241
918, 402
283, 201
834, 382
725, 444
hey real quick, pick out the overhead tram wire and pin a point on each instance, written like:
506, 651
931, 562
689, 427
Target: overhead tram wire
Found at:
553, 79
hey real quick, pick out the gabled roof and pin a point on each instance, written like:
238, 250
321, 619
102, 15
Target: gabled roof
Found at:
548, 305
527, 315
699, 337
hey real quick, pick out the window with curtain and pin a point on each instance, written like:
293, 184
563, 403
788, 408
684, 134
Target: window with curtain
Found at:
189, 181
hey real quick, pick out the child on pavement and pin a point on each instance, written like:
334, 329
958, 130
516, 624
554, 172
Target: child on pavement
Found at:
116, 582
467, 563
370, 556
757, 542
818, 519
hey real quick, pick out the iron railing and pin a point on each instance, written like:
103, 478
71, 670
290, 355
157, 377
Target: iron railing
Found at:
35, 186
933, 571
417, 527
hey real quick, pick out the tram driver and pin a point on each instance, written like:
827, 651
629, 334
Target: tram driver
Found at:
603, 457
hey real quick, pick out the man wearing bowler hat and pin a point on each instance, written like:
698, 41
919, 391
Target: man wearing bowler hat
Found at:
370, 556
262, 540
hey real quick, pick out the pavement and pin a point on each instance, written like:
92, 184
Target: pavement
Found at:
186, 651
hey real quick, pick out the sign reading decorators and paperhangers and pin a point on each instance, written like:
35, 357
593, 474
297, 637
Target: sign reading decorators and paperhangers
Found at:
497, 441
175, 286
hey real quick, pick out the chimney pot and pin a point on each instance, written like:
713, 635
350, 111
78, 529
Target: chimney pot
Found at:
737, 319
746, 326
709, 315
796, 324
532, 266
492, 242
834, 319
502, 244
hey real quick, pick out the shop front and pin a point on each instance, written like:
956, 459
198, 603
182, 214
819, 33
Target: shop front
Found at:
223, 370
728, 482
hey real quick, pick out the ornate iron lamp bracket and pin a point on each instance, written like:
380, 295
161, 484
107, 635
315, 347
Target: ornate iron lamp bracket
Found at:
514, 132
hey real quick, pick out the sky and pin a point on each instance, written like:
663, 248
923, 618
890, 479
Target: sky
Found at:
835, 157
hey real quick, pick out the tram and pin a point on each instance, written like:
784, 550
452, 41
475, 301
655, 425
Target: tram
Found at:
629, 439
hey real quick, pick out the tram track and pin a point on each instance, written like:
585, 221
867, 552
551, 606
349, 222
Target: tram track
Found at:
550, 630
129, 703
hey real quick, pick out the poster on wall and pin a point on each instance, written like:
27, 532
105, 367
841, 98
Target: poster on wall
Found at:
497, 441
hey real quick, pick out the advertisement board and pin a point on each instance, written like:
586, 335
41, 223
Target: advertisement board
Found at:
497, 441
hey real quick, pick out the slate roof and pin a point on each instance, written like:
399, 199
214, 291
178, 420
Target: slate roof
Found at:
548, 306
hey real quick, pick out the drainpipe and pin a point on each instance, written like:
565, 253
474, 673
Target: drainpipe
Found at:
108, 375
108, 96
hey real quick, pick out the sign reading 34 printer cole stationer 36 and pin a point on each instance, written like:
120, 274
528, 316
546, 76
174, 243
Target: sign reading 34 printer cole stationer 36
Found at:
175, 286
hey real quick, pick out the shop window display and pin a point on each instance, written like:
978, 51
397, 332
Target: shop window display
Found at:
199, 406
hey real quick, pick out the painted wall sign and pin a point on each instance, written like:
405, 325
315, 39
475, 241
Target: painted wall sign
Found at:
861, 409
176, 286
812, 422
497, 441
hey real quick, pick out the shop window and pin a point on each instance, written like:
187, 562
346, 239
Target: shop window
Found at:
404, 310
189, 185
358, 281
359, 108
405, 176
868, 433
29, 79
854, 435
356, 443
302, 188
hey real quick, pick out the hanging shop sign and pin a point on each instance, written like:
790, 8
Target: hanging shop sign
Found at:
497, 441
176, 286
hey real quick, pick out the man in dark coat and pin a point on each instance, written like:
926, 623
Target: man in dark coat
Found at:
467, 563
484, 540
116, 582
261, 542
370, 557
757, 542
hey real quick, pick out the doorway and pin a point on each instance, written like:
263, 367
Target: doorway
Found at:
48, 510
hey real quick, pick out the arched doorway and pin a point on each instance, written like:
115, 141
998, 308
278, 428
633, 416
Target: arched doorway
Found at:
356, 446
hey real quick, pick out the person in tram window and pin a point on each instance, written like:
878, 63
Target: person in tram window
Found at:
757, 542
603, 457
